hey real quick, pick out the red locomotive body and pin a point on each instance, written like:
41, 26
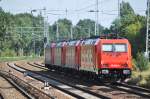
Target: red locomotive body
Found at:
52, 53
49, 55
72, 55
115, 58
104, 58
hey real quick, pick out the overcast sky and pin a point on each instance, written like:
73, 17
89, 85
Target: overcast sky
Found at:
76, 9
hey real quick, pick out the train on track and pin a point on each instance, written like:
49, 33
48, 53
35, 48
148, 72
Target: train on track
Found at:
92, 57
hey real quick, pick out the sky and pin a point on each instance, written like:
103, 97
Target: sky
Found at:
73, 10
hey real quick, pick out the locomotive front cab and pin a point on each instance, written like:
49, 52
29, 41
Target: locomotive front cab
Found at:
115, 58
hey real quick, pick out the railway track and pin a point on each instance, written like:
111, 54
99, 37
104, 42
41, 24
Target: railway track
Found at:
134, 87
138, 92
123, 87
26, 89
29, 91
37, 65
72, 90
1, 96
15, 81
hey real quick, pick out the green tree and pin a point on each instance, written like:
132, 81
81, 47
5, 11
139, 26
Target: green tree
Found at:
19, 40
126, 9
86, 28
64, 29
132, 27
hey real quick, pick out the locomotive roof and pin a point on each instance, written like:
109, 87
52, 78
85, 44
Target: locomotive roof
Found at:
59, 44
72, 43
47, 46
90, 41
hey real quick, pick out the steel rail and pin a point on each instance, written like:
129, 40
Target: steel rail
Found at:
1, 96
133, 89
34, 89
5, 74
129, 90
73, 86
38, 66
72, 94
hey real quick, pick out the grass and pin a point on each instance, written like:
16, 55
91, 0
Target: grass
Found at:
28, 58
141, 78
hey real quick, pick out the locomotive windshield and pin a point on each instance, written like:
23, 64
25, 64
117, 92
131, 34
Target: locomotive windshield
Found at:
107, 47
120, 47
114, 47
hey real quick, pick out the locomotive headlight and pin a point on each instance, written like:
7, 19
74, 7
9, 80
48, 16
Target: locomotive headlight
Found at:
126, 71
105, 71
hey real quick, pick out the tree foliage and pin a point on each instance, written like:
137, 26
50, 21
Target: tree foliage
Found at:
131, 26
22, 41
16, 39
141, 62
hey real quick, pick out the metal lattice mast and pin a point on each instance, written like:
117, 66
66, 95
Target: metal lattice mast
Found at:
147, 29
96, 18
97, 12
119, 17
57, 30
45, 27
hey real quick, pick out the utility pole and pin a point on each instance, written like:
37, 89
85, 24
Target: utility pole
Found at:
119, 23
45, 28
147, 30
97, 11
66, 12
57, 31
89, 35
45, 25
71, 32
33, 38
21, 39
96, 18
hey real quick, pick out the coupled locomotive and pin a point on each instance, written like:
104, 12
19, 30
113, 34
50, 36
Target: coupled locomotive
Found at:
104, 58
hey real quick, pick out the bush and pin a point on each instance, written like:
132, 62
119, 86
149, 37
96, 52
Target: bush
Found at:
141, 62
148, 82
135, 68
8, 53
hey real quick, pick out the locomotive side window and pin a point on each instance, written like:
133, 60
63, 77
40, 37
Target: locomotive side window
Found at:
107, 47
120, 47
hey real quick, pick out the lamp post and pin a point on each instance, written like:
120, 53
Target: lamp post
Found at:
96, 22
45, 25
147, 30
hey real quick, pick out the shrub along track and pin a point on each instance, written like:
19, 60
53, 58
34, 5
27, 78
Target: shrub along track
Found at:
93, 86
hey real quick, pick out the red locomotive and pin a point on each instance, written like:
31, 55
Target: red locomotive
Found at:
104, 58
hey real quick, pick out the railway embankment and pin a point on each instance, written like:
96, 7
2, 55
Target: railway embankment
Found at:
140, 78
